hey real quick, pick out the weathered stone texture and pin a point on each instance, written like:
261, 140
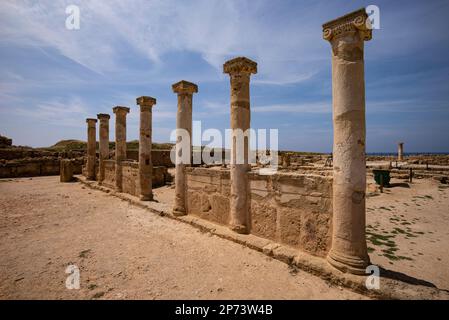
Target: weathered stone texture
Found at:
66, 170
159, 158
346, 36
130, 174
35, 167
240, 70
91, 148
294, 209
185, 91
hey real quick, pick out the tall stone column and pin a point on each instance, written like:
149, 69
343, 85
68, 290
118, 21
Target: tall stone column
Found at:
120, 143
400, 151
104, 143
346, 36
185, 91
240, 70
91, 148
145, 141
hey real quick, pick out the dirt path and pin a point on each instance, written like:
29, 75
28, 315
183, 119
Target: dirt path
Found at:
408, 230
126, 252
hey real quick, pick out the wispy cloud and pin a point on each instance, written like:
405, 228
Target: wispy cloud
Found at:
49, 74
70, 112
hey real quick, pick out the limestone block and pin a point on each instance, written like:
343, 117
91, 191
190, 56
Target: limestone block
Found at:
66, 170
264, 217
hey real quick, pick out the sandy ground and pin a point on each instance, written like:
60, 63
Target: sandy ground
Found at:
124, 252
408, 229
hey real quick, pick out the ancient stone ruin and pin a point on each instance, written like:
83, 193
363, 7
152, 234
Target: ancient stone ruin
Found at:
317, 211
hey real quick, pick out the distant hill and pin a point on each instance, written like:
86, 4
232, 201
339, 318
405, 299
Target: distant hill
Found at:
66, 145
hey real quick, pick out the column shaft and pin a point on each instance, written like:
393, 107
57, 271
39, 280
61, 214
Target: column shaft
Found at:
120, 144
145, 162
240, 123
183, 122
348, 251
145, 141
91, 148
103, 145
400, 151
240, 70
185, 91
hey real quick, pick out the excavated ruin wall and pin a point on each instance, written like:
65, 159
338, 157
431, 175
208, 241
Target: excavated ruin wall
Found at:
293, 209
35, 167
159, 158
131, 176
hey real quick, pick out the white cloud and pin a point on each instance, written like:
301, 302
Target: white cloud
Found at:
111, 30
70, 112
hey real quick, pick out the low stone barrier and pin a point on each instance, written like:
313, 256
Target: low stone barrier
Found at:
35, 167
131, 176
293, 209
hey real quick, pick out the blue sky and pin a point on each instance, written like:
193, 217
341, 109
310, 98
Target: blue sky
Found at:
52, 78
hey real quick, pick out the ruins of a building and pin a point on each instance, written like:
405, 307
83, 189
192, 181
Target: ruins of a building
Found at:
317, 212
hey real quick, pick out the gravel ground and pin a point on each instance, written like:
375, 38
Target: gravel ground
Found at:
408, 229
125, 252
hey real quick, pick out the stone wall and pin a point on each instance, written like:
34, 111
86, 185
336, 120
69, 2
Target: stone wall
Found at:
109, 173
131, 176
293, 209
34, 167
159, 158
25, 153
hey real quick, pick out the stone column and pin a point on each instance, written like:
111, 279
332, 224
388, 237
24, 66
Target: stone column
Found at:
185, 91
91, 148
120, 143
240, 70
104, 143
400, 151
346, 36
145, 141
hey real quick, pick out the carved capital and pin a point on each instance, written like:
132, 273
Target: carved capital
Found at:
184, 87
145, 101
240, 65
103, 116
352, 23
120, 109
91, 121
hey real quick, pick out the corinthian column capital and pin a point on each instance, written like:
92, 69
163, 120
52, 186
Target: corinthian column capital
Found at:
356, 22
184, 87
240, 65
145, 103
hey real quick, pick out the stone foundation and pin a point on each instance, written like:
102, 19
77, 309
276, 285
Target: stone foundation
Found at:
131, 176
293, 209
66, 170
35, 167
159, 158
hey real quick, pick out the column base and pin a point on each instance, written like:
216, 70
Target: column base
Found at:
240, 228
117, 189
177, 212
349, 264
146, 197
